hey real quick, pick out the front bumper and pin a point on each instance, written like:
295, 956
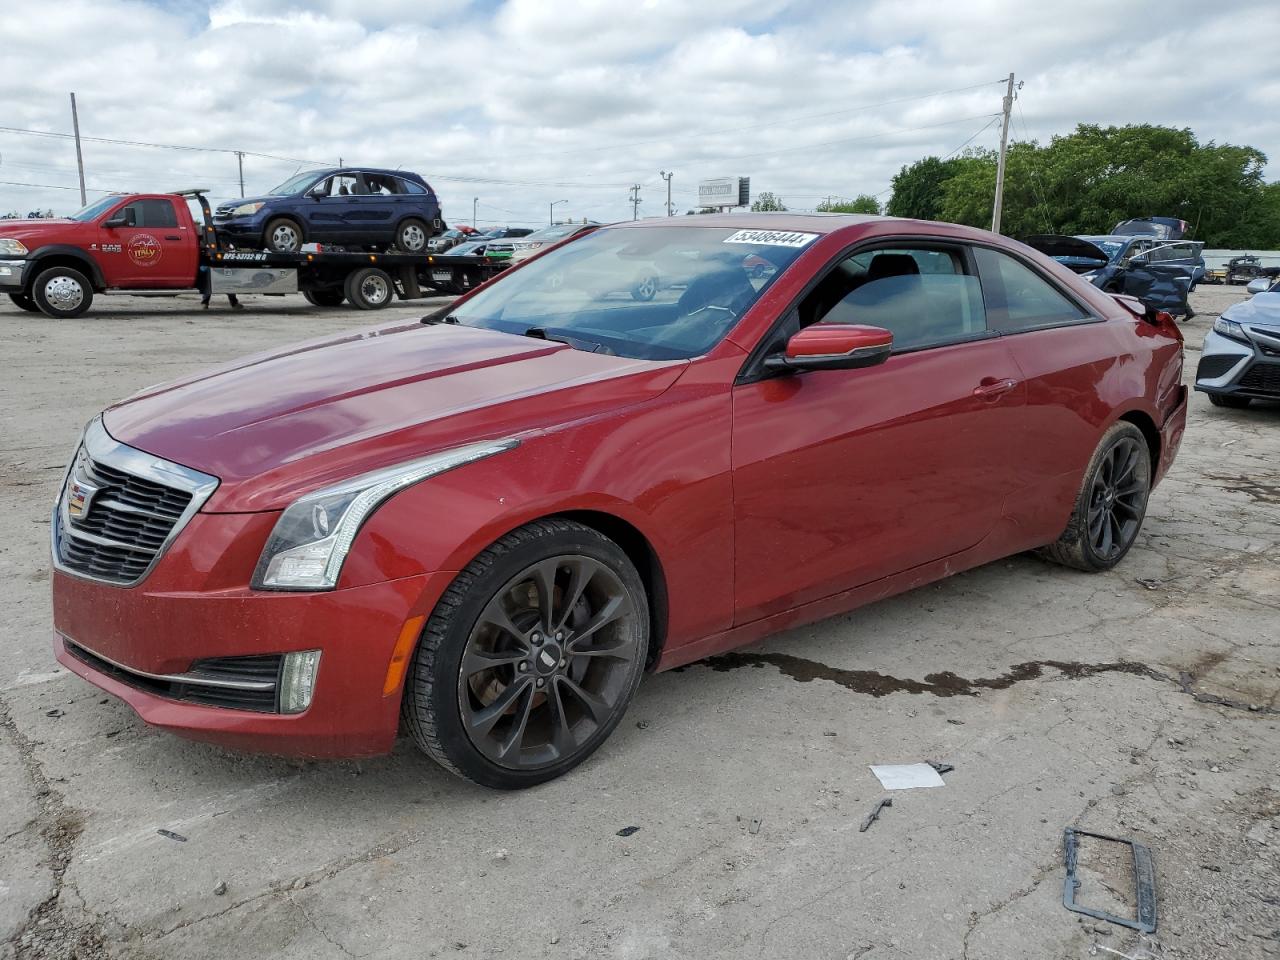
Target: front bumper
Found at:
1230, 367
241, 228
163, 632
13, 275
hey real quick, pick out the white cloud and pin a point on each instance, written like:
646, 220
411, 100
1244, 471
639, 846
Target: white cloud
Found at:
601, 94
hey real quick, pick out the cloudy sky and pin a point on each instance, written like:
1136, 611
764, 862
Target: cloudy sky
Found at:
520, 103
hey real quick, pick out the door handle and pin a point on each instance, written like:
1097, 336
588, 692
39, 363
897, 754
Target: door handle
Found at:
990, 388
172, 236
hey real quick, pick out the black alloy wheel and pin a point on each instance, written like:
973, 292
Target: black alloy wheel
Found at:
1112, 503
531, 658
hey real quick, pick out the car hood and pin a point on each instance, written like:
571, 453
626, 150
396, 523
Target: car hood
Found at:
1052, 245
232, 204
33, 229
1260, 310
276, 425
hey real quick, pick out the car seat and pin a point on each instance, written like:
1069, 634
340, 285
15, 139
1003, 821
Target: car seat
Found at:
707, 308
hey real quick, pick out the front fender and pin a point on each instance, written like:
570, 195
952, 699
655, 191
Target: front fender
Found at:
63, 251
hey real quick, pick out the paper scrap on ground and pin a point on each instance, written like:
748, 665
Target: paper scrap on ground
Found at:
905, 776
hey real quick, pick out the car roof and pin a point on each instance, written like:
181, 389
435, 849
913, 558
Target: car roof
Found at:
330, 171
796, 222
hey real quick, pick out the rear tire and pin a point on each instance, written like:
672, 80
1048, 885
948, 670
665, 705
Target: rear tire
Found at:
1229, 401
326, 297
412, 236
24, 302
1111, 505
369, 288
508, 689
62, 293
282, 235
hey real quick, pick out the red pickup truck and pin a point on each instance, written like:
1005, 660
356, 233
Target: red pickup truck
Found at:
153, 242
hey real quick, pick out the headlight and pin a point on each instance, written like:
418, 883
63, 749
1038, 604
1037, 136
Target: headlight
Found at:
310, 541
246, 209
1229, 328
12, 248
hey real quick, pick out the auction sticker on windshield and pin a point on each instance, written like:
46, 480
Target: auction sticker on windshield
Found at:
772, 238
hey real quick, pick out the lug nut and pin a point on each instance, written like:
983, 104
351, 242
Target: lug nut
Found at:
536, 637
563, 663
559, 635
541, 682
524, 666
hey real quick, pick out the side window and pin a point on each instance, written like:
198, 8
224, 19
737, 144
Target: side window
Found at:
1017, 298
408, 186
156, 213
381, 185
923, 296
345, 185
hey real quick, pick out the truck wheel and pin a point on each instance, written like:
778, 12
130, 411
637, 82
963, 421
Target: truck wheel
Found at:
369, 288
328, 297
283, 235
24, 302
412, 236
62, 293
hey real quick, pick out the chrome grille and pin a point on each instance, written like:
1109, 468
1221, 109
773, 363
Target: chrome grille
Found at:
120, 507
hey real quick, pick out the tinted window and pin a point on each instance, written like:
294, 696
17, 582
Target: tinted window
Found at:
149, 213
924, 297
1017, 298
408, 186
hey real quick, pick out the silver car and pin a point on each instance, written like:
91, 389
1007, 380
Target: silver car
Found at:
1240, 361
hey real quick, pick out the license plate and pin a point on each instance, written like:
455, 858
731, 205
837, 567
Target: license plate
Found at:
441, 274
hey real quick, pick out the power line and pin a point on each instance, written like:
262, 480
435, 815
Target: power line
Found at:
948, 156
54, 186
23, 131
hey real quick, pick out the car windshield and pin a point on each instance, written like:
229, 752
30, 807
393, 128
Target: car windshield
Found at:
1108, 246
654, 293
293, 184
558, 232
95, 209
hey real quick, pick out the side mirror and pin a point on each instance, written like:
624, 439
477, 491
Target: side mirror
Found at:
1139, 261
1260, 285
318, 191
834, 346
122, 219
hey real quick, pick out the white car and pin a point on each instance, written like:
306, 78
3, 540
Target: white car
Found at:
1240, 361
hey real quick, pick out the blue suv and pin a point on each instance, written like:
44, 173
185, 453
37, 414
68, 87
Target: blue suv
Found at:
361, 206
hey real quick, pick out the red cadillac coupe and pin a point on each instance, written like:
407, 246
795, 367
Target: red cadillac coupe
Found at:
632, 451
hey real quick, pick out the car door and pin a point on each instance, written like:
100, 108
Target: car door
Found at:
1161, 276
373, 215
329, 210
143, 244
1067, 356
842, 477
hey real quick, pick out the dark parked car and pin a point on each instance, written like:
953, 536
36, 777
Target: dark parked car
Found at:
1160, 273
358, 206
485, 528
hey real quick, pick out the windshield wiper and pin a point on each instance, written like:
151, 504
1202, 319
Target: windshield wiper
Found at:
540, 333
434, 318
578, 343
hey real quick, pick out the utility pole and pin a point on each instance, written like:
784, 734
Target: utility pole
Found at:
474, 202
1004, 147
75, 124
667, 177
240, 164
635, 202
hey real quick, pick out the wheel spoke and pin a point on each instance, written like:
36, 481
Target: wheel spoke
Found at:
516, 737
482, 721
544, 581
477, 661
561, 736
1116, 536
1136, 487
619, 649
580, 576
1104, 546
1129, 508
598, 709
495, 616
613, 608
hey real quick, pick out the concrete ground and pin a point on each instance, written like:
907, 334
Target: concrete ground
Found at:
1141, 703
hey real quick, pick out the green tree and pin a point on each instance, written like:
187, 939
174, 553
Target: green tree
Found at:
767, 202
862, 203
1087, 181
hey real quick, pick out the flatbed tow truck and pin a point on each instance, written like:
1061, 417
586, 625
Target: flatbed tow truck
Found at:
151, 243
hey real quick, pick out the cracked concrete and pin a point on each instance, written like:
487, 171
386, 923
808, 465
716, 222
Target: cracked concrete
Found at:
1079, 714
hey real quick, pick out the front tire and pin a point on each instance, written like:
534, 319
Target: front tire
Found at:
24, 302
62, 293
531, 657
282, 235
1230, 401
1111, 506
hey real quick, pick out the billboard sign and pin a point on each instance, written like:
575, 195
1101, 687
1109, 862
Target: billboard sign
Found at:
725, 192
